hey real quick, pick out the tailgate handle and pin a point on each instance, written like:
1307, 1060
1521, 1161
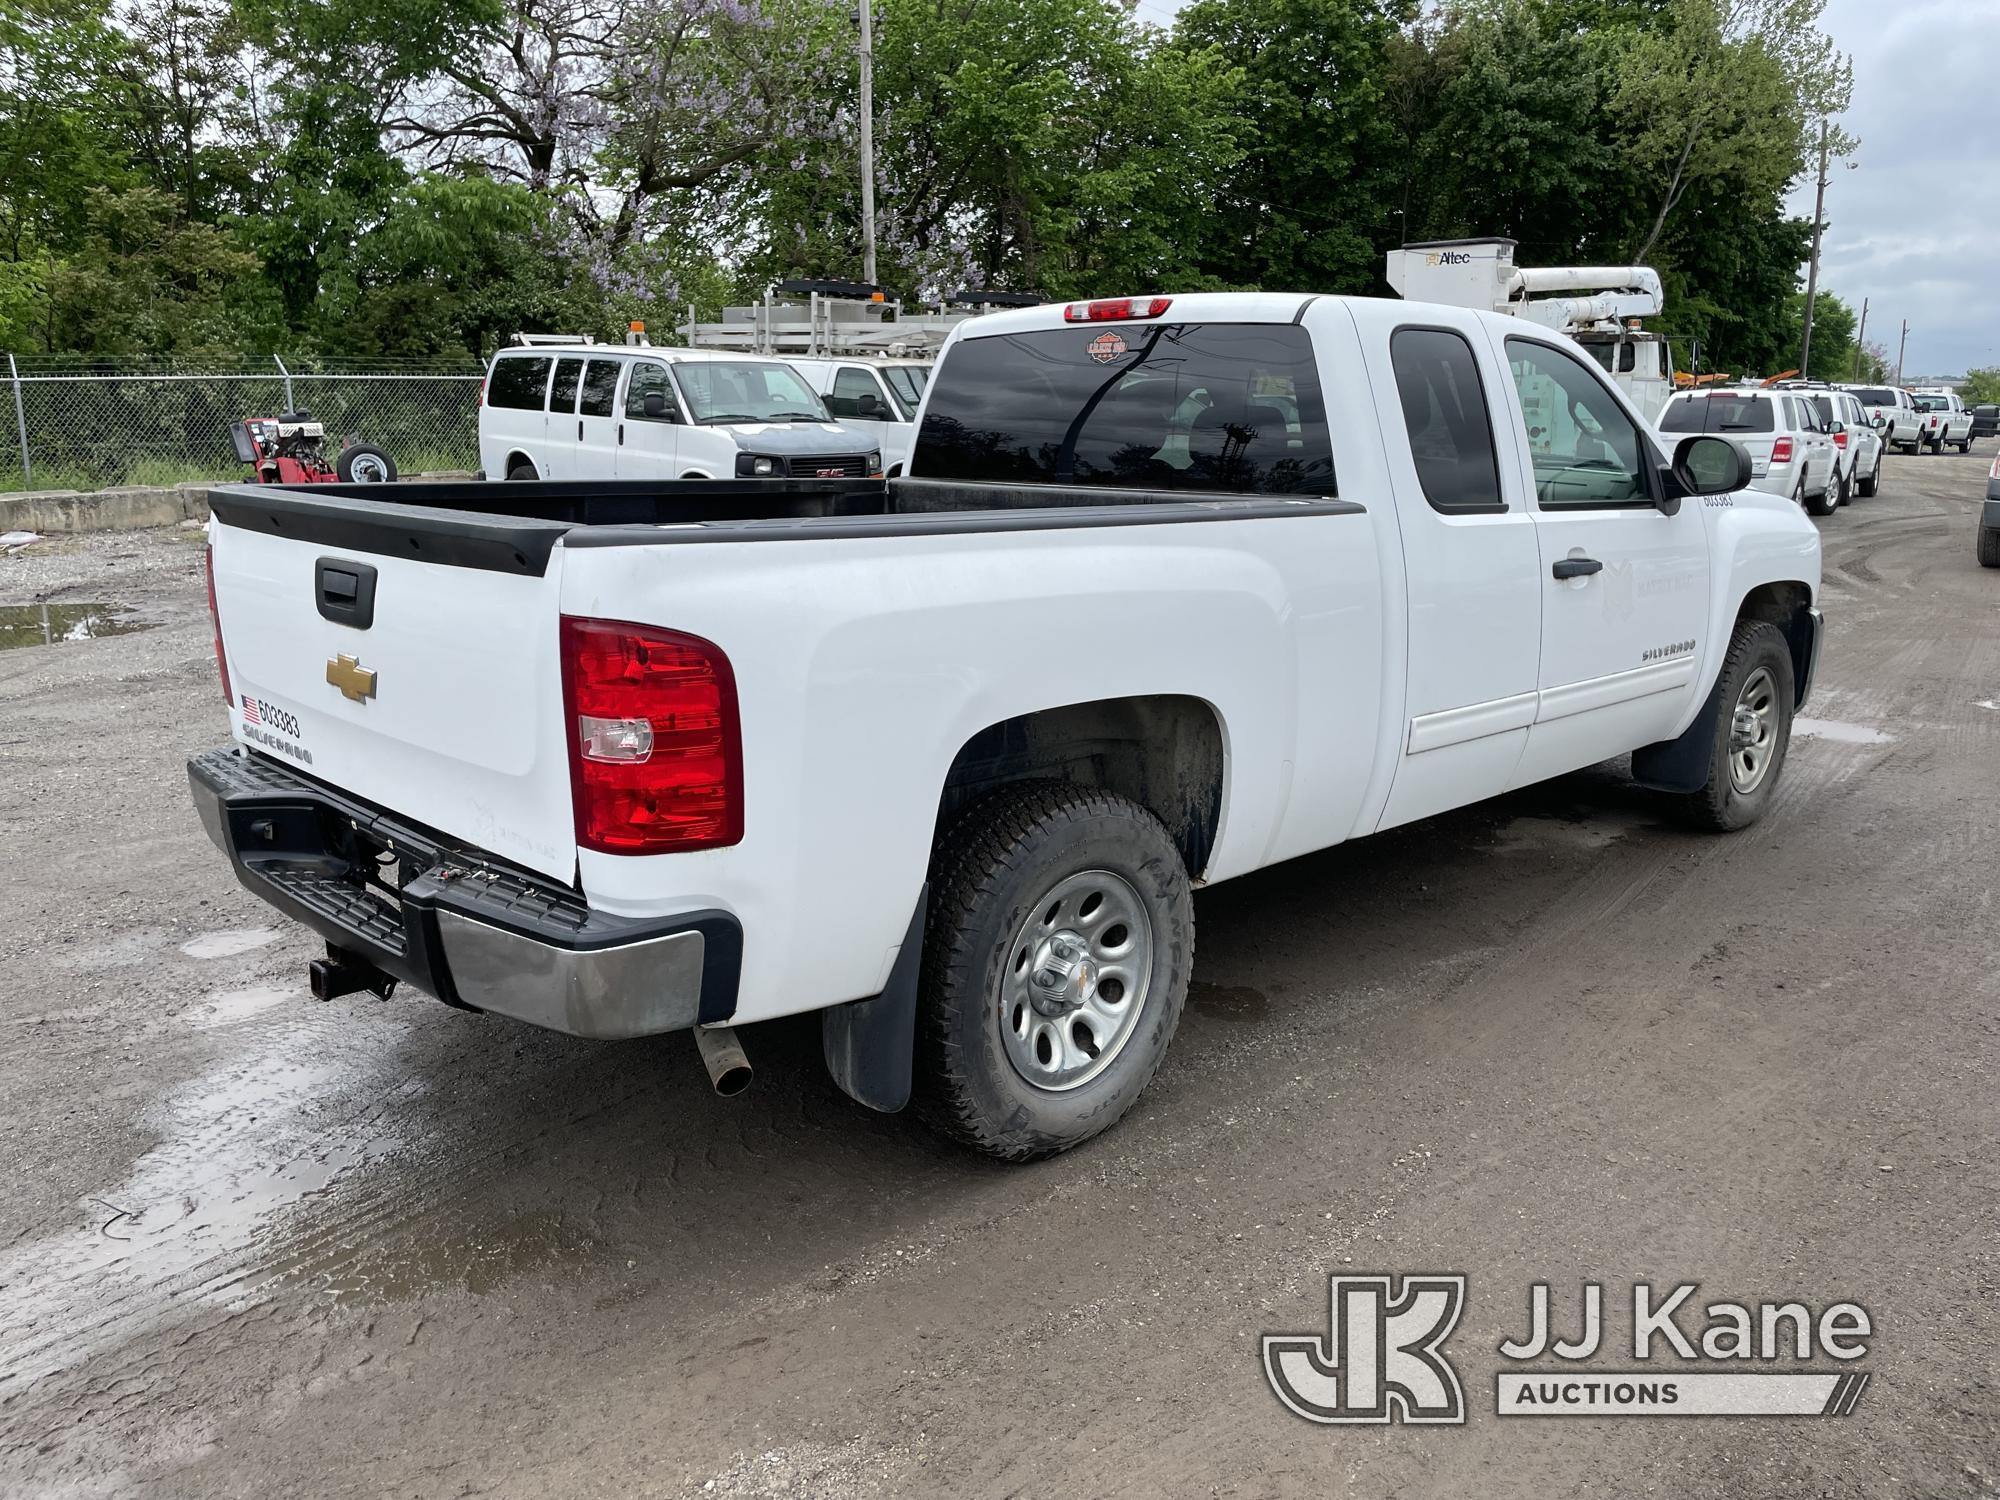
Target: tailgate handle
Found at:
344, 591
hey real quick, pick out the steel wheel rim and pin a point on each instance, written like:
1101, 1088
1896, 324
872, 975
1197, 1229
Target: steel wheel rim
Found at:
369, 469
1753, 732
1070, 996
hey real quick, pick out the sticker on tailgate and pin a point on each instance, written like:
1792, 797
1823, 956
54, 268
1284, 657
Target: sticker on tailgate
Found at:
266, 724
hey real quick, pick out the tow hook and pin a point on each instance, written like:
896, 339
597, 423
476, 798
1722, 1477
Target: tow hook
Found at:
343, 973
728, 1067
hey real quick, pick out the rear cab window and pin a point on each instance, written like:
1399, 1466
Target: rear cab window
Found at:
1445, 415
518, 381
1232, 408
1719, 412
1877, 397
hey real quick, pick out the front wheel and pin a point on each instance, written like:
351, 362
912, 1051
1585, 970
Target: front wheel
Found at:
1751, 732
1057, 951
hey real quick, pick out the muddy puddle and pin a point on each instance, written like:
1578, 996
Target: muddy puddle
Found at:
53, 624
254, 1144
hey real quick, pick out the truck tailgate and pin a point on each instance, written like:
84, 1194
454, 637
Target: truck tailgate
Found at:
421, 677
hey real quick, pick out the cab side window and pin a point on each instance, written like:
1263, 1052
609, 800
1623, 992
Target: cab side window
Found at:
600, 389
562, 390
849, 386
1587, 451
1444, 413
649, 378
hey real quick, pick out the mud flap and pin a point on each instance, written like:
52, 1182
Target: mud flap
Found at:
870, 1045
1681, 765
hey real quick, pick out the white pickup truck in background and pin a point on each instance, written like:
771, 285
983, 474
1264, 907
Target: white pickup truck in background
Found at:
1947, 420
1176, 588
1894, 413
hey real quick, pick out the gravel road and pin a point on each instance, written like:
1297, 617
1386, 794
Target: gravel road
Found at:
256, 1246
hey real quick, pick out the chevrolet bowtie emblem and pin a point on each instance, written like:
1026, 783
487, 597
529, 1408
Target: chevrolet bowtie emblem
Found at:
354, 680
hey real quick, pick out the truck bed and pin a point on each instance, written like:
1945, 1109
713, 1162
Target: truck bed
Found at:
512, 528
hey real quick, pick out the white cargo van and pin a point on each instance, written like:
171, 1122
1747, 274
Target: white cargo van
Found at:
876, 397
608, 411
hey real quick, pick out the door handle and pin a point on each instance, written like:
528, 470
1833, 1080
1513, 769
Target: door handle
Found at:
621, 434
579, 429
1577, 567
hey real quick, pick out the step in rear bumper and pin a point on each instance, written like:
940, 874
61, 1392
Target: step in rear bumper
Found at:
464, 926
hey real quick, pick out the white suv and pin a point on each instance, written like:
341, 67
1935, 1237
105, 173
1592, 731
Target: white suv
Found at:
609, 411
1857, 445
876, 397
1791, 452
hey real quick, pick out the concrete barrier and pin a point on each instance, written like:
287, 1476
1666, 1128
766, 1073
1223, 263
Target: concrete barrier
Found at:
130, 508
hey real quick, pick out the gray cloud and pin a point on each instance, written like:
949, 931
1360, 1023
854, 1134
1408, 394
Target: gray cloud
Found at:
1915, 226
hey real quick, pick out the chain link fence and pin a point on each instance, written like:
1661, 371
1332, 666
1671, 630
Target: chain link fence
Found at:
82, 424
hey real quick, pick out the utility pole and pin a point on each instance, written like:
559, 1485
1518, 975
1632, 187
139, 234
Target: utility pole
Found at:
867, 144
1860, 335
1900, 347
1812, 271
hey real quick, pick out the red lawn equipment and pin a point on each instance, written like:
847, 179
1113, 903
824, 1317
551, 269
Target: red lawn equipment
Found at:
292, 450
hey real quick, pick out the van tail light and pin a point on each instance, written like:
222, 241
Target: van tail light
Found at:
482, 392
1116, 309
655, 746
215, 620
1781, 451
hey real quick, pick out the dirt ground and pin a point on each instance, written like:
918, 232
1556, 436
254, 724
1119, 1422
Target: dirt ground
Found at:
251, 1245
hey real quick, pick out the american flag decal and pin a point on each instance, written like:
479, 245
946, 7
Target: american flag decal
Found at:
250, 710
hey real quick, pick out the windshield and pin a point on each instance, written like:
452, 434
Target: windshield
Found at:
1932, 403
1876, 397
744, 390
1719, 413
906, 384
1168, 406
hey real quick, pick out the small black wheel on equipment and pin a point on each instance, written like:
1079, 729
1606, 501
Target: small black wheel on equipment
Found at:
1057, 950
1751, 732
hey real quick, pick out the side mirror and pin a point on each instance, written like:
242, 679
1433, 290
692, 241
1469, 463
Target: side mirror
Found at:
1708, 465
656, 406
869, 408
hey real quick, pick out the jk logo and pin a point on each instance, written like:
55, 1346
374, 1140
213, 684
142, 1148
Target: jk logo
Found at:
1381, 1363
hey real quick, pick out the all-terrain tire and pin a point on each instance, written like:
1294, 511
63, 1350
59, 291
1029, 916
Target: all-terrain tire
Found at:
1989, 547
1756, 646
990, 873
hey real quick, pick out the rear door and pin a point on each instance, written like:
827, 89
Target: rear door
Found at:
565, 435
597, 419
1472, 563
647, 443
433, 691
1624, 587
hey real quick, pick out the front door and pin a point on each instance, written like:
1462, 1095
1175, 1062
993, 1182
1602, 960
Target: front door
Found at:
1624, 587
647, 441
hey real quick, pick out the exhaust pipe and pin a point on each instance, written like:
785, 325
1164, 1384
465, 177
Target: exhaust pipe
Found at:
728, 1068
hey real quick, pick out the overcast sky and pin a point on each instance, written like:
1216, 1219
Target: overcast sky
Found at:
1915, 225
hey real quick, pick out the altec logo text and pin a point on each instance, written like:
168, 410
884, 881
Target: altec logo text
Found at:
1382, 1358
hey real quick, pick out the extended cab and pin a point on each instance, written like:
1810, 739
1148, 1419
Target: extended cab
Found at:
1177, 588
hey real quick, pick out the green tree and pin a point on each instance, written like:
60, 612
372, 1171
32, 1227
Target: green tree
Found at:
1982, 386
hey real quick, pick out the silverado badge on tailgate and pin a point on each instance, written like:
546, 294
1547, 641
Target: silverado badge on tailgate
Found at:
355, 681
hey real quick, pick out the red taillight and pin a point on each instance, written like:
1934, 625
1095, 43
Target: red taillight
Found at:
1781, 451
655, 750
1840, 440
215, 619
482, 392
1116, 309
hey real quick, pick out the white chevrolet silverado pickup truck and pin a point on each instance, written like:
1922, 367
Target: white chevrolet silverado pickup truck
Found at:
1176, 588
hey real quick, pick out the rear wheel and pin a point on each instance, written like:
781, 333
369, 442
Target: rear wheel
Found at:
522, 470
1825, 502
1752, 730
1868, 483
1056, 957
